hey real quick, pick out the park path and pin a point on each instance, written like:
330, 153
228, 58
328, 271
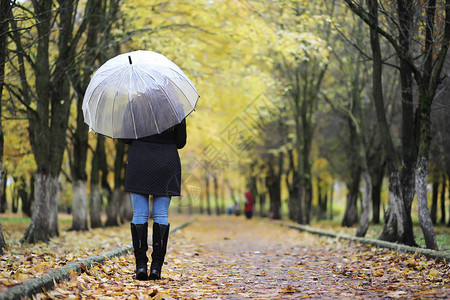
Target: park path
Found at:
234, 258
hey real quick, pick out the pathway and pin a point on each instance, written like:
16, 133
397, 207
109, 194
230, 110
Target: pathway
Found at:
235, 258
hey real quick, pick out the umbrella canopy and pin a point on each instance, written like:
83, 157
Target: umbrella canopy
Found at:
138, 94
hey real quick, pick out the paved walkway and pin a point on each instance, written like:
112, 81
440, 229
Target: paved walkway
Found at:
235, 258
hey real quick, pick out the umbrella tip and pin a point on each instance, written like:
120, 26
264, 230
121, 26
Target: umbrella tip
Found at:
129, 58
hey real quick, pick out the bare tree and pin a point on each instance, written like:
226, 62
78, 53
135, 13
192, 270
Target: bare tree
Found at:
416, 122
5, 15
47, 102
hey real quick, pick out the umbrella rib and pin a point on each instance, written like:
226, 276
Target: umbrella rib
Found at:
165, 93
186, 78
151, 108
131, 103
103, 91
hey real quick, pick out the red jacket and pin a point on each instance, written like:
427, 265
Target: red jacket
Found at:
249, 201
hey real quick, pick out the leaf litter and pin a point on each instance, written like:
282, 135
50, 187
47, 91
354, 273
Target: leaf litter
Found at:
234, 258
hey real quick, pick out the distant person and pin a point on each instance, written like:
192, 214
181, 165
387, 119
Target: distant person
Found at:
230, 209
237, 208
248, 200
153, 169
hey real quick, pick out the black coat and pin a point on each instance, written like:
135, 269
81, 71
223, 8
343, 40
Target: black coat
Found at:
153, 166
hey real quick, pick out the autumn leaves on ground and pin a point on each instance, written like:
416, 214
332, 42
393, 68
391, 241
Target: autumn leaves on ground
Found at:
232, 258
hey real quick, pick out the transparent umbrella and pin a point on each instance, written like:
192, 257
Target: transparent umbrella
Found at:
138, 94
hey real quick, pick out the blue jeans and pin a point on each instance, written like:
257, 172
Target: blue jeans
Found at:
141, 207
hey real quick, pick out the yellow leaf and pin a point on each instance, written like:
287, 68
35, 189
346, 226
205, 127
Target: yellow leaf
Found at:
434, 273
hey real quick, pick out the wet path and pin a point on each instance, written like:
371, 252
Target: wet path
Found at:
235, 258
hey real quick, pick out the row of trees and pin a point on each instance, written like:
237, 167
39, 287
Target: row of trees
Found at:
292, 93
412, 39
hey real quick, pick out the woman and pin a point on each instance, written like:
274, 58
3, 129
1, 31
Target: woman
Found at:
153, 169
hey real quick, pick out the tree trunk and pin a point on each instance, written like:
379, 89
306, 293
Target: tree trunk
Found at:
448, 224
293, 183
5, 14
216, 194
222, 195
322, 200
424, 214
262, 198
15, 200
3, 202
95, 204
119, 175
273, 183
2, 241
107, 192
378, 176
79, 205
208, 196
126, 208
120, 198
26, 205
434, 199
351, 209
444, 183
111, 213
331, 201
394, 229
53, 189
365, 211
22, 190
308, 195
38, 229
254, 187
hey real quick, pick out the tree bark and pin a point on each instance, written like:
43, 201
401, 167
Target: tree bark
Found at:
95, 206
208, 197
351, 210
448, 224
26, 205
2, 241
365, 211
5, 14
38, 229
95, 203
444, 184
53, 189
394, 229
112, 209
424, 214
79, 205
293, 183
331, 202
3, 180
262, 198
216, 195
273, 183
378, 176
434, 200
126, 208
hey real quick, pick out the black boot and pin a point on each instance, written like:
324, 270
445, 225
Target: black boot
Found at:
139, 233
160, 237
